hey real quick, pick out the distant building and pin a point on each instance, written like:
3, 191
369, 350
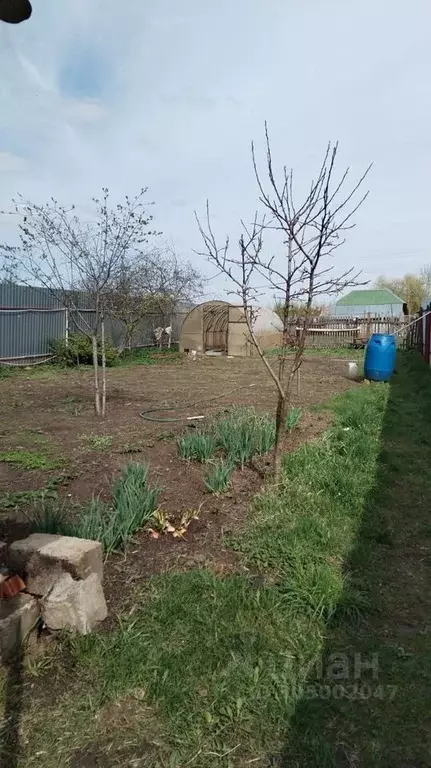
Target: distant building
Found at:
377, 303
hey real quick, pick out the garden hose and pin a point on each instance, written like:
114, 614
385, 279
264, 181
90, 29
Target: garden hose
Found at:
146, 414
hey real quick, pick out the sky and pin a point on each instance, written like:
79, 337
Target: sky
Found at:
170, 97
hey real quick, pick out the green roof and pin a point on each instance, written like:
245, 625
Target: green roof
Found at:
366, 298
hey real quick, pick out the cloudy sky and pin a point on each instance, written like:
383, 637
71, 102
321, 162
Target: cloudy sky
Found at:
171, 96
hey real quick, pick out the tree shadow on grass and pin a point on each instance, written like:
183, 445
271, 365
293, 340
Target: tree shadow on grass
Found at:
13, 704
368, 702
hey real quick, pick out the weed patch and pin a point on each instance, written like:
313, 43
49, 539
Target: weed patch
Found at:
72, 404
29, 460
19, 499
98, 442
150, 356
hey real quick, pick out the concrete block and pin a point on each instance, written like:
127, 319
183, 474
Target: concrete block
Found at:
76, 605
17, 617
43, 557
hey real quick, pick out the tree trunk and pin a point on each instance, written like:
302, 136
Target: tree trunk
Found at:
103, 367
280, 419
96, 375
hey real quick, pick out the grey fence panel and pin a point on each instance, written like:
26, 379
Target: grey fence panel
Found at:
116, 331
82, 321
27, 297
27, 333
23, 296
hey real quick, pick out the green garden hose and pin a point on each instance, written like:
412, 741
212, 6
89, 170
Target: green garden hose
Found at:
146, 414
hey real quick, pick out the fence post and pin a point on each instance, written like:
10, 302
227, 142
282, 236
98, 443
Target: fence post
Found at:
66, 326
368, 325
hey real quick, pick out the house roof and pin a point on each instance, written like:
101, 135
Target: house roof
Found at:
366, 298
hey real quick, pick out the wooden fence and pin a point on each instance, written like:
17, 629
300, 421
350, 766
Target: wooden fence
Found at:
418, 335
345, 331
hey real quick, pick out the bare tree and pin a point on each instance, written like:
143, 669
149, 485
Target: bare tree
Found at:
78, 260
309, 231
154, 284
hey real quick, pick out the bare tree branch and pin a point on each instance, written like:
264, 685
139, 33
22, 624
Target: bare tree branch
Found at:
71, 256
310, 232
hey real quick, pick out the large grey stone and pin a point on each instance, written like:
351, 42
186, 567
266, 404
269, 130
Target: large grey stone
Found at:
43, 557
17, 617
77, 605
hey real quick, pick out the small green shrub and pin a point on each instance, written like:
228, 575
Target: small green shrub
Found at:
217, 480
293, 418
197, 446
6, 371
79, 351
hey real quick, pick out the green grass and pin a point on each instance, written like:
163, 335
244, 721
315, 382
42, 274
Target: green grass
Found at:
30, 460
332, 561
217, 478
302, 530
150, 356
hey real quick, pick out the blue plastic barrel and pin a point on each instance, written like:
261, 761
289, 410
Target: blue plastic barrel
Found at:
380, 354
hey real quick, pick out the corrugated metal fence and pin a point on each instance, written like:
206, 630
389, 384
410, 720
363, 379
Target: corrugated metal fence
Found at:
31, 319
